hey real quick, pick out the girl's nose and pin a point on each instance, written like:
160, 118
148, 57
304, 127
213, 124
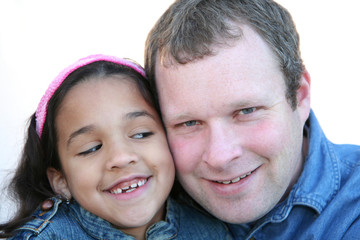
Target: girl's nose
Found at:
121, 155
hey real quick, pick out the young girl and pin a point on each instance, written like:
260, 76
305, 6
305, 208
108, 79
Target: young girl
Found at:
96, 147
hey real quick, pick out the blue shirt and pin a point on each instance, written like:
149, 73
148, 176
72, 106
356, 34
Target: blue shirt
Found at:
323, 204
74, 222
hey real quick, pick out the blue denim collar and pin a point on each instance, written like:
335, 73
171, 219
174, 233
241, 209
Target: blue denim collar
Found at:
40, 222
102, 229
313, 189
316, 189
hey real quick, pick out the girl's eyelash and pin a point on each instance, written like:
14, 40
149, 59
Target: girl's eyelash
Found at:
142, 135
97, 147
91, 150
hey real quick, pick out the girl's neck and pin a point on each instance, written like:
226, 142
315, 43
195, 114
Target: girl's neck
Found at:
139, 232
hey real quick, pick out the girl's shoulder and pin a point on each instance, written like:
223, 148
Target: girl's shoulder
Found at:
55, 223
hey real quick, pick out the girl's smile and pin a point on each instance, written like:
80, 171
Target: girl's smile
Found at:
129, 186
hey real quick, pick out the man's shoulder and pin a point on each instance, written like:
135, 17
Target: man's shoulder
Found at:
340, 217
195, 222
348, 154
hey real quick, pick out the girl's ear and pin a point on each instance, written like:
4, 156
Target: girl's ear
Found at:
58, 182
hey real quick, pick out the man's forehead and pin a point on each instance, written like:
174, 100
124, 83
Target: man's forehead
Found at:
165, 60
165, 55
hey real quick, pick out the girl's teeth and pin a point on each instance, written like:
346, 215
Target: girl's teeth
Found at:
130, 188
141, 182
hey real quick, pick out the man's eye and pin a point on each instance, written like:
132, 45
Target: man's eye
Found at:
91, 150
247, 110
190, 123
142, 135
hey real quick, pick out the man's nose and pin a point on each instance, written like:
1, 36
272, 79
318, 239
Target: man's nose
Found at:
223, 145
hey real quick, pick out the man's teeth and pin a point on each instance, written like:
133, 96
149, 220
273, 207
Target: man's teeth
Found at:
130, 188
235, 179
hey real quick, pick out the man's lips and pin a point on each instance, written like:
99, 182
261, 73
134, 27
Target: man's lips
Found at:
236, 179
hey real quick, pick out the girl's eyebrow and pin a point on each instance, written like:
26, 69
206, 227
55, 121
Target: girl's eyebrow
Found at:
133, 115
90, 128
78, 132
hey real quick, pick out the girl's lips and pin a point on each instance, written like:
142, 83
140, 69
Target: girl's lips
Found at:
131, 190
130, 186
128, 183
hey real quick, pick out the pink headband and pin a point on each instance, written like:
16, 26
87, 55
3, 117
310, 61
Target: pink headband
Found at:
54, 85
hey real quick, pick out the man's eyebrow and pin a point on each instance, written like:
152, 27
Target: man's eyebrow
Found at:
78, 132
178, 118
136, 114
185, 116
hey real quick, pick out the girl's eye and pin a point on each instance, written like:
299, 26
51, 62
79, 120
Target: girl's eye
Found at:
247, 110
91, 150
190, 123
142, 135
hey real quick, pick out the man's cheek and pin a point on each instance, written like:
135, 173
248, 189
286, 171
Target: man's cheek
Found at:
266, 137
185, 155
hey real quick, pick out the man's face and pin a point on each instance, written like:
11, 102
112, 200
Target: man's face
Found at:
235, 139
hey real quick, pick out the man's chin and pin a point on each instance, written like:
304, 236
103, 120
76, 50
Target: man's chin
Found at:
234, 215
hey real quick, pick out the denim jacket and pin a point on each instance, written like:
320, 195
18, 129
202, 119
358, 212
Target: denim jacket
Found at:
323, 204
71, 221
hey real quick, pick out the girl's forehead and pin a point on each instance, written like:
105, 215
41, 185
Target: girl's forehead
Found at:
105, 96
119, 88
93, 83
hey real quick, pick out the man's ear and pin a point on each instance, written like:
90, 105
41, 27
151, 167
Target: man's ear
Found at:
58, 182
303, 96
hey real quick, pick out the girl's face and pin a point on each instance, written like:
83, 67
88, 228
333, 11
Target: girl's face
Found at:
114, 153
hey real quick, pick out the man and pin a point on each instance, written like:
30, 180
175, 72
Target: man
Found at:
235, 101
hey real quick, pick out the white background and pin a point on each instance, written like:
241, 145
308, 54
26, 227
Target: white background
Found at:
39, 38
